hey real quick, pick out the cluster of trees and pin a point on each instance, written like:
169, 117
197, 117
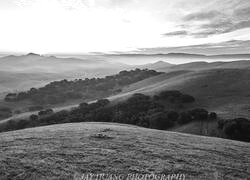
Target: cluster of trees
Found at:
140, 109
237, 129
174, 97
61, 91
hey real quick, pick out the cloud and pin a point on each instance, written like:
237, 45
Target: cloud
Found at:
212, 29
227, 47
242, 13
115, 25
222, 27
201, 16
212, 22
176, 33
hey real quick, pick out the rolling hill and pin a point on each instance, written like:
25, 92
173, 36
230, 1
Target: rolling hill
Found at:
68, 150
225, 91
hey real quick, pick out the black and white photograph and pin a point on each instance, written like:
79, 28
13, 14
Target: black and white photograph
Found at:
124, 89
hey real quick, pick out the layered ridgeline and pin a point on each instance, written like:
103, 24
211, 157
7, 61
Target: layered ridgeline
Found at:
33, 70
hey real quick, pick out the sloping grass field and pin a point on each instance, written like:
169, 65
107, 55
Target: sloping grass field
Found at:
62, 151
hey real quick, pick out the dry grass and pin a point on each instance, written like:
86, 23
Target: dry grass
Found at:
60, 151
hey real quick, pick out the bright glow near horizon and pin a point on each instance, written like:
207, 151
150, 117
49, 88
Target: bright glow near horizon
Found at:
81, 26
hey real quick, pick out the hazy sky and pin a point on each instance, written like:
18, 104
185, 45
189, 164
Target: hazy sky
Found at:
80, 26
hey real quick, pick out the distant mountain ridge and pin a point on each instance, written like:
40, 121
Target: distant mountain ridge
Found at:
155, 66
32, 66
25, 71
187, 55
196, 65
40, 63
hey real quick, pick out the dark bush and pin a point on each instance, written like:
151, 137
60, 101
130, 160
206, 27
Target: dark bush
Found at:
102, 115
212, 116
167, 94
10, 97
83, 105
45, 112
237, 129
22, 123
137, 103
171, 96
10, 125
55, 118
199, 114
185, 98
33, 117
102, 102
160, 121
174, 97
173, 116
220, 123
184, 118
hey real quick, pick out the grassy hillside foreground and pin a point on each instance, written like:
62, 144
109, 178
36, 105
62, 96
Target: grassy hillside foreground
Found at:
60, 151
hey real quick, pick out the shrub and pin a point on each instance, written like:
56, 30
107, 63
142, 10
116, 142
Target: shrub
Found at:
184, 118
33, 117
167, 94
10, 125
103, 115
212, 116
10, 97
22, 123
174, 97
237, 129
173, 116
171, 96
83, 105
185, 98
220, 123
102, 102
137, 103
199, 114
45, 112
160, 121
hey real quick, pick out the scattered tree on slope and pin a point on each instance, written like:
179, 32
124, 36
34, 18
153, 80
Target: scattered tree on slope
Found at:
61, 91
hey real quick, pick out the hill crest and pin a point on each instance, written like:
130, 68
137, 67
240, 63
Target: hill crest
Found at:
118, 148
